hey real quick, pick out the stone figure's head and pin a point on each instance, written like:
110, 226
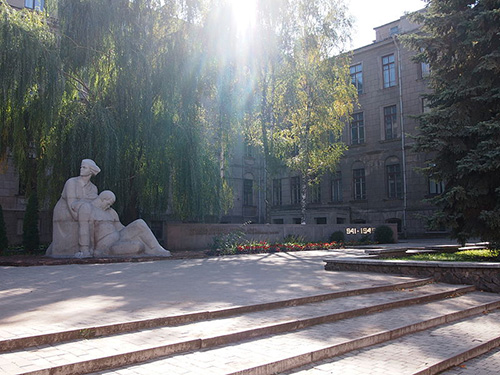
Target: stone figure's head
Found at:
107, 198
89, 168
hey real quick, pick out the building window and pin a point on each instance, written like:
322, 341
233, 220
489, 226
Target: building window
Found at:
359, 184
357, 77
315, 193
389, 71
390, 122
295, 190
341, 220
394, 30
247, 192
337, 187
357, 129
394, 181
34, 4
436, 187
297, 220
425, 69
248, 150
278, 221
277, 192
320, 220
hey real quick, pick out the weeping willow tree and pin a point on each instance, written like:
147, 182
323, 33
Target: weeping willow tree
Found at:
30, 89
124, 81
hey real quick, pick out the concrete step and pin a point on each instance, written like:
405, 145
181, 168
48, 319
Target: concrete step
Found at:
295, 318
424, 353
439, 333
232, 324
86, 332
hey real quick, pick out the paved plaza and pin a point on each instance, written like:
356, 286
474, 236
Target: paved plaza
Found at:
44, 299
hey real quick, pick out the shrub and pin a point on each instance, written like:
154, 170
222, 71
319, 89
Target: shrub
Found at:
294, 238
384, 234
4, 243
225, 244
31, 236
337, 236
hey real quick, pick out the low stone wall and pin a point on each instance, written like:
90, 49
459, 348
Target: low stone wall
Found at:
484, 276
200, 236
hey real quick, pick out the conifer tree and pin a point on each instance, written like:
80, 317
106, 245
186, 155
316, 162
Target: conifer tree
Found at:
460, 41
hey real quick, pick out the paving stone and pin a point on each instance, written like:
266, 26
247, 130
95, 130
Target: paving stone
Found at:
48, 299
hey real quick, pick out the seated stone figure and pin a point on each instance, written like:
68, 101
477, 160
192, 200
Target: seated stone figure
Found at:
112, 238
69, 238
84, 225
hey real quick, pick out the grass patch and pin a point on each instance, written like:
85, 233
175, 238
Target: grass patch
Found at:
485, 255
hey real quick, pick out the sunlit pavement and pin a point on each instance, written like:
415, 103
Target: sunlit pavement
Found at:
43, 299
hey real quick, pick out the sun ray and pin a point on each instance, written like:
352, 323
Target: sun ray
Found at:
244, 14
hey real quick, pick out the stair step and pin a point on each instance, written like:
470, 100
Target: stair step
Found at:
424, 353
110, 329
105, 352
279, 353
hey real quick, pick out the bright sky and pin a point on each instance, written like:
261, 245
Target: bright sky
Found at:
368, 14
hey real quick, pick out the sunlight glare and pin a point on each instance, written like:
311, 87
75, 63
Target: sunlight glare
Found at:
244, 13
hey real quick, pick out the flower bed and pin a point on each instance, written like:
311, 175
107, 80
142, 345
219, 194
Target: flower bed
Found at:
265, 247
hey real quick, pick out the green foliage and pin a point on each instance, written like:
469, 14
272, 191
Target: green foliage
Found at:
31, 236
156, 92
460, 256
305, 94
337, 236
383, 234
460, 41
294, 239
30, 88
4, 243
225, 243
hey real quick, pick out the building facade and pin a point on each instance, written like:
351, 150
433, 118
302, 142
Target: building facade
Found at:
377, 180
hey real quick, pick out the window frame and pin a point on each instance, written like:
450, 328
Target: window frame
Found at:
390, 122
277, 192
295, 196
394, 180
34, 4
357, 76
247, 192
357, 128
388, 71
359, 184
336, 185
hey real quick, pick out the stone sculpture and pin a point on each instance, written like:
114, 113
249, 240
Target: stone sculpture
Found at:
84, 224
112, 238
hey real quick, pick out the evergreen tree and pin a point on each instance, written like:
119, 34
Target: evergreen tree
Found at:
4, 243
460, 40
31, 236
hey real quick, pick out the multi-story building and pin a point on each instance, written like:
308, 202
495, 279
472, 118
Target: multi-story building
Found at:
377, 180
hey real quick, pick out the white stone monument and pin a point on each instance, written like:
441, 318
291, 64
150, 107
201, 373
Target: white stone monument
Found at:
85, 225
